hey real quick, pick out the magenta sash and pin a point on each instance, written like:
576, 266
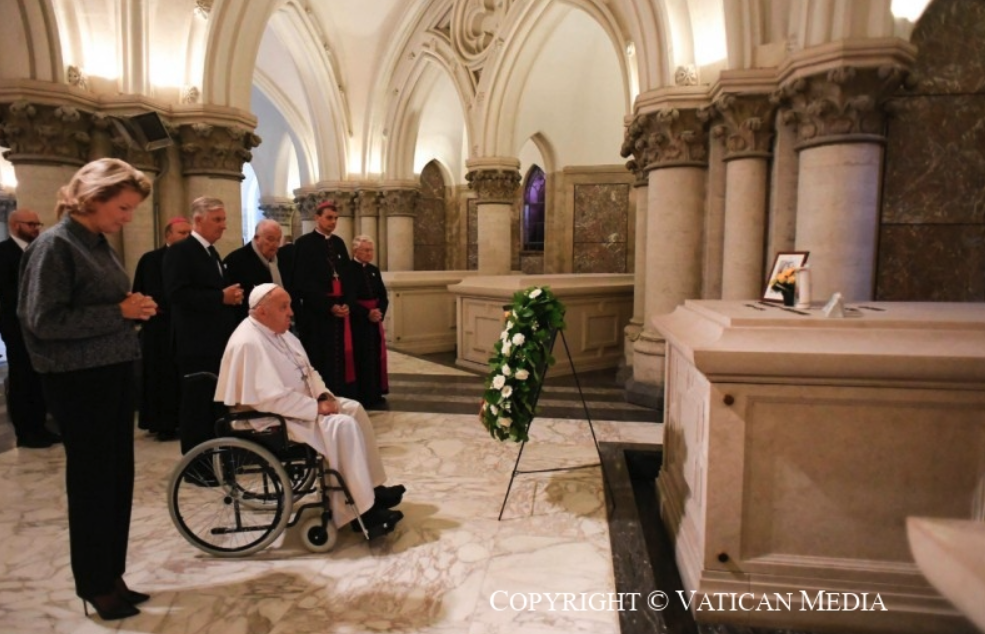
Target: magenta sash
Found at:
350, 361
370, 304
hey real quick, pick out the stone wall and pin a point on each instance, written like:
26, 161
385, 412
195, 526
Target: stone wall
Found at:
932, 235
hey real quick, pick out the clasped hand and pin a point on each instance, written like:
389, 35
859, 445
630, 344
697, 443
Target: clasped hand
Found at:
327, 406
232, 295
138, 306
340, 310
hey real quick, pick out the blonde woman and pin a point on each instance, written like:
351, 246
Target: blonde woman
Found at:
78, 318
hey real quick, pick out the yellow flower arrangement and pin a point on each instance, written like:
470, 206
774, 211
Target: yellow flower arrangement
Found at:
785, 280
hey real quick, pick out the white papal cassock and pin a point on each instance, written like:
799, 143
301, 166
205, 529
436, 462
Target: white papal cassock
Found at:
268, 372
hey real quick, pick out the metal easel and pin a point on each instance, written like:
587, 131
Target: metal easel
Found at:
516, 470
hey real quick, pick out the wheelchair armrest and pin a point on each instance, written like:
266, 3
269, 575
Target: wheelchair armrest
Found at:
224, 427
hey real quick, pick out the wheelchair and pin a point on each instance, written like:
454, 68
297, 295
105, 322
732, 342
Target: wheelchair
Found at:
234, 495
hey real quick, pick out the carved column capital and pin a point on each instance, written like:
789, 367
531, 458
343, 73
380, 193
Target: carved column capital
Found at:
219, 151
494, 185
306, 203
279, 210
36, 133
842, 105
400, 201
122, 148
746, 125
671, 137
368, 202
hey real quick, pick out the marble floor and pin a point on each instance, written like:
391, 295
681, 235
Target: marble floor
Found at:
449, 567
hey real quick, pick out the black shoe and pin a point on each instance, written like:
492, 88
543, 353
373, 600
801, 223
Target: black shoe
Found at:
379, 521
110, 607
389, 497
378, 404
167, 435
39, 442
51, 436
130, 596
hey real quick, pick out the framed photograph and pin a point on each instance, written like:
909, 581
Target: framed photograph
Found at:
783, 261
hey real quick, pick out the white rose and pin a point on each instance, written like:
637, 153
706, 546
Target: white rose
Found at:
506, 370
504, 422
493, 409
534, 294
505, 335
499, 381
506, 348
522, 375
507, 391
518, 339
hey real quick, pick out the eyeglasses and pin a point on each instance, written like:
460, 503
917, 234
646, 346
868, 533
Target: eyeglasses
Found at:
33, 225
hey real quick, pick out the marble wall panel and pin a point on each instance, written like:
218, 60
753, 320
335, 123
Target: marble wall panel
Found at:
934, 161
531, 263
949, 37
473, 223
943, 263
430, 222
601, 228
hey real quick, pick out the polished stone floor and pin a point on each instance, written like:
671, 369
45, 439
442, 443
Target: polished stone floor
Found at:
451, 566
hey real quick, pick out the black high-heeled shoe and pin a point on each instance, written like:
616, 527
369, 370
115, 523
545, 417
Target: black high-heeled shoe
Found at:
109, 607
131, 596
389, 497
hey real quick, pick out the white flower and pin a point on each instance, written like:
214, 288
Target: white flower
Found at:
506, 370
518, 339
494, 410
504, 422
506, 348
522, 374
499, 381
509, 325
505, 335
534, 294
507, 391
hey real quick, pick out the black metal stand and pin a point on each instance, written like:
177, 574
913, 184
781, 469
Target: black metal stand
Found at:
588, 417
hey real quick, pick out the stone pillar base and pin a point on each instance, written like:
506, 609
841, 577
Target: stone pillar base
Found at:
646, 388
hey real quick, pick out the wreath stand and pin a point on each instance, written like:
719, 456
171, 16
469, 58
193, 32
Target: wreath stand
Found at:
516, 470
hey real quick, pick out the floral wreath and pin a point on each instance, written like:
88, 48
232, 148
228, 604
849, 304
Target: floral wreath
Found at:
521, 356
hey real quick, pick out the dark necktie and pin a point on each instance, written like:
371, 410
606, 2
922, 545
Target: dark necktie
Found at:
215, 256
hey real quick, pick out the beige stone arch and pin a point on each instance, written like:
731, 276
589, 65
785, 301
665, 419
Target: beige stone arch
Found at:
235, 30
500, 86
32, 45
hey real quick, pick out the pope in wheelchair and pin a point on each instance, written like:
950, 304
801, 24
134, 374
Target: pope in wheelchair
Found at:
265, 369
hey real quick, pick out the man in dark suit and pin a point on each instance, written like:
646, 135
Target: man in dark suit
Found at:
203, 311
159, 394
25, 397
367, 298
256, 262
323, 316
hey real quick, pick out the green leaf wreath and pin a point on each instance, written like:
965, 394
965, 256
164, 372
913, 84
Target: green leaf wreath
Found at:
522, 354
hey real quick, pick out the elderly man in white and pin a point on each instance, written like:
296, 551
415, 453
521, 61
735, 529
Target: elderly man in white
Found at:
266, 369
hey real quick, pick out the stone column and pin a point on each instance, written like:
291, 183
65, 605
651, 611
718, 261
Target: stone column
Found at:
212, 164
280, 209
8, 203
494, 181
672, 145
399, 207
635, 327
368, 203
306, 201
47, 145
746, 130
841, 127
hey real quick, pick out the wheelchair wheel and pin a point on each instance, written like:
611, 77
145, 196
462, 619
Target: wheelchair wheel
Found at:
319, 535
230, 497
301, 475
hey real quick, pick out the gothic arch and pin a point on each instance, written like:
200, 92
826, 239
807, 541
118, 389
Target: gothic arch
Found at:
235, 31
501, 82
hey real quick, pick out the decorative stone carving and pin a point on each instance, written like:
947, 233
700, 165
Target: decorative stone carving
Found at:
215, 151
306, 204
36, 133
474, 26
190, 95
279, 211
399, 202
747, 127
368, 201
75, 77
843, 105
686, 75
494, 185
667, 138
204, 7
